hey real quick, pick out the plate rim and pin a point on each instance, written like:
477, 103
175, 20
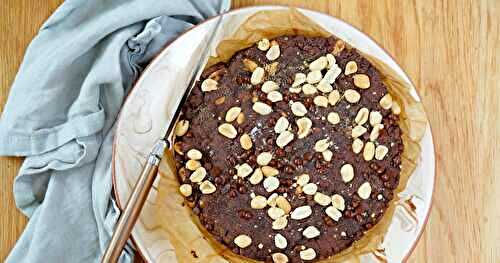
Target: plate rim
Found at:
119, 204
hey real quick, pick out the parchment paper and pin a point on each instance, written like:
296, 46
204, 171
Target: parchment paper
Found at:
191, 243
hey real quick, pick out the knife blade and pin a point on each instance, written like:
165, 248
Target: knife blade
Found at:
196, 73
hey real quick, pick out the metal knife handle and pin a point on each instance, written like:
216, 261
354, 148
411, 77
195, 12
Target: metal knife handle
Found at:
134, 205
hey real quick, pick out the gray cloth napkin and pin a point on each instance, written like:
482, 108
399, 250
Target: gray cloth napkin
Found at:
61, 111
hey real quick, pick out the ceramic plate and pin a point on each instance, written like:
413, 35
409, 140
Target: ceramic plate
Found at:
151, 103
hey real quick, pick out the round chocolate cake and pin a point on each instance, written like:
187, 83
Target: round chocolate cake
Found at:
291, 150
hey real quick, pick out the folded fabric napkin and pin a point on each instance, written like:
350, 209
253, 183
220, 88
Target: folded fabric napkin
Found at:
61, 111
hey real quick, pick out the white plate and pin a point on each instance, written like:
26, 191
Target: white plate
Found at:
150, 105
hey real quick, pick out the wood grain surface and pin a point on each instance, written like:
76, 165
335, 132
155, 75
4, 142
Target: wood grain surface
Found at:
450, 49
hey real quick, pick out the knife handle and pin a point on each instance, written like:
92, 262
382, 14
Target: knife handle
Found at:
134, 204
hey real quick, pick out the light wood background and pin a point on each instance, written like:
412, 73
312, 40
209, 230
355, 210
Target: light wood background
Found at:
450, 49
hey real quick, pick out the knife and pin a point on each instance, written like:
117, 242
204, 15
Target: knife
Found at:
149, 172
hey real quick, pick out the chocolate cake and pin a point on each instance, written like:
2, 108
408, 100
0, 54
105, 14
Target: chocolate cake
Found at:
291, 150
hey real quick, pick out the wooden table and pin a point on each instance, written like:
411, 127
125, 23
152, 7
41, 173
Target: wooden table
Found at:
450, 49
